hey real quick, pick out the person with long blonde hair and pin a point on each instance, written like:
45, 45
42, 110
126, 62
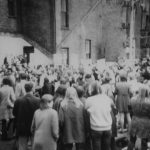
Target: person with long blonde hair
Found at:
72, 120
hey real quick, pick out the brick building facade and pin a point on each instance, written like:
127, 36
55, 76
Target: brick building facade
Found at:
93, 30
71, 31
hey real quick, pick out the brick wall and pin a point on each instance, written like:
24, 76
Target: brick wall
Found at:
38, 22
7, 24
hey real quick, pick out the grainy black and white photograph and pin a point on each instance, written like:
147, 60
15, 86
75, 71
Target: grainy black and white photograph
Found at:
74, 74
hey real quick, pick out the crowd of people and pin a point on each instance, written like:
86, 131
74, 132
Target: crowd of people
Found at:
62, 107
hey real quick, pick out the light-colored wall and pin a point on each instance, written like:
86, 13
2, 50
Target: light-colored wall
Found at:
84, 23
95, 20
13, 46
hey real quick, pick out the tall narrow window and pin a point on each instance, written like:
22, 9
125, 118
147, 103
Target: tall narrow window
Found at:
12, 8
64, 14
65, 55
88, 48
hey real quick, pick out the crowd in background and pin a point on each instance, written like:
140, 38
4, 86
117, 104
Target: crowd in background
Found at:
62, 107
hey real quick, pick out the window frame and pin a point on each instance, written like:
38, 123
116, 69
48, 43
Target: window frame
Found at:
12, 8
65, 50
65, 14
88, 55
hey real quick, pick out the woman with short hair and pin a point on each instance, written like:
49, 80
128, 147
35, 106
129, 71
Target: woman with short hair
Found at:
45, 125
123, 94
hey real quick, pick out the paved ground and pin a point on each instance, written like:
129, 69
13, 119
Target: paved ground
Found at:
121, 142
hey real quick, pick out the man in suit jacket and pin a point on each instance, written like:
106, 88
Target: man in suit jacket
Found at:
23, 111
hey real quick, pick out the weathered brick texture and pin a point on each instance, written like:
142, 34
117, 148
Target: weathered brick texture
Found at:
7, 24
38, 22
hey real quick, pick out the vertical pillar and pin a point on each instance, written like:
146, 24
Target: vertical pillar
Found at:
132, 34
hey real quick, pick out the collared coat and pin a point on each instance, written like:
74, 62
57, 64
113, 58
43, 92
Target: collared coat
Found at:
72, 123
7, 99
45, 128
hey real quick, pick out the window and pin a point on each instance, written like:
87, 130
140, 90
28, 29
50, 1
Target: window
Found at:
88, 48
12, 8
65, 56
64, 14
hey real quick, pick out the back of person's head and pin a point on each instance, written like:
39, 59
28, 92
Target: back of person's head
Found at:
122, 78
106, 80
46, 101
28, 87
62, 81
94, 89
88, 76
81, 74
6, 81
80, 91
71, 95
61, 90
10, 70
23, 76
46, 80
65, 81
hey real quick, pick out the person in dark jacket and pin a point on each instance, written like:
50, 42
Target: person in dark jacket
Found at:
47, 88
23, 111
59, 96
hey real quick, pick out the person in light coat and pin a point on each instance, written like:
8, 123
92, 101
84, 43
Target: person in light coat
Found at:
7, 99
45, 125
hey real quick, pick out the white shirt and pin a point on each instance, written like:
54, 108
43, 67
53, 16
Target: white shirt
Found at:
99, 108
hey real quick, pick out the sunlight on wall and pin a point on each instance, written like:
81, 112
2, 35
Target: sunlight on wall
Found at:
13, 46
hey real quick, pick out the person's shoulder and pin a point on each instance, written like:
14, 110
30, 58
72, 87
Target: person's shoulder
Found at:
89, 99
34, 98
19, 100
104, 96
37, 111
52, 112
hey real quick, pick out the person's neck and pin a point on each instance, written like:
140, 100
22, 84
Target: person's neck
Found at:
31, 93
